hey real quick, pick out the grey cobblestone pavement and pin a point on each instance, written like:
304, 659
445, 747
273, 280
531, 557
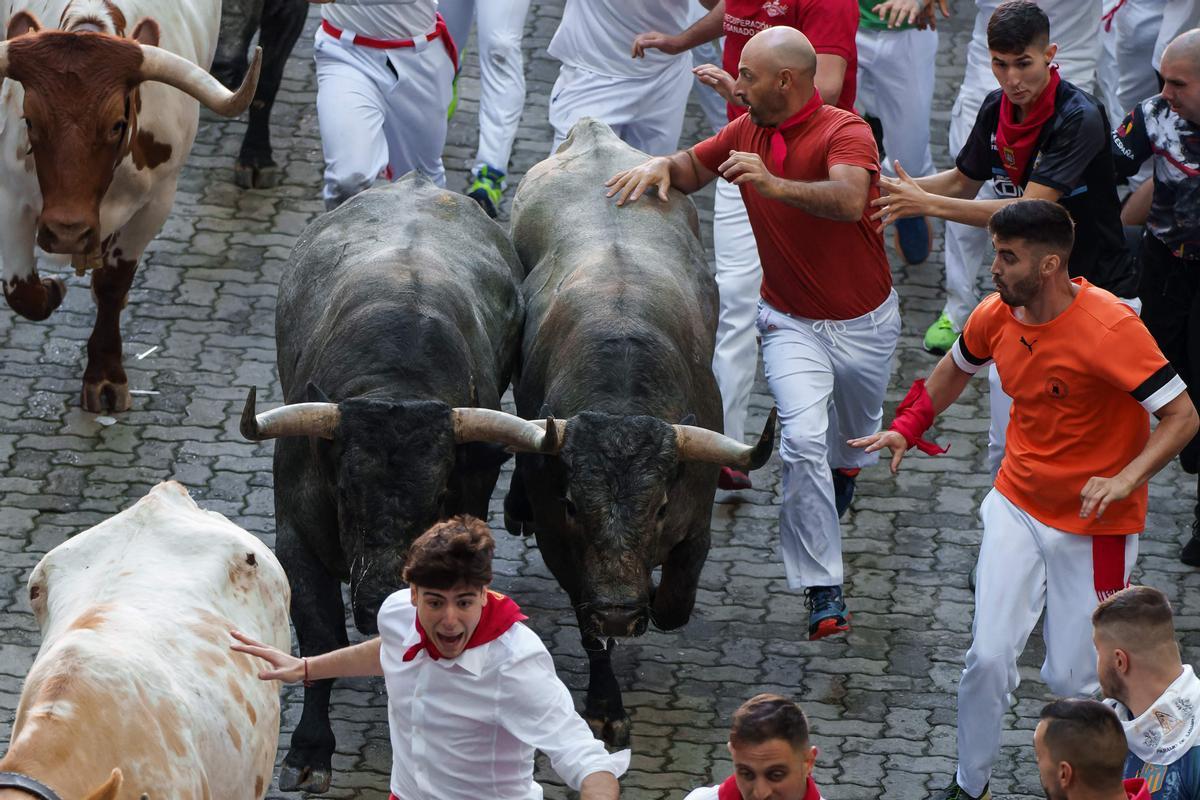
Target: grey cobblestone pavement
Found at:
882, 700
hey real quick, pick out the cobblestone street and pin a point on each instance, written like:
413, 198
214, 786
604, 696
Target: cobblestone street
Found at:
199, 330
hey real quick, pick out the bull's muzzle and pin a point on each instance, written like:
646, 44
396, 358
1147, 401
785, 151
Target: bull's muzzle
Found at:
68, 235
618, 620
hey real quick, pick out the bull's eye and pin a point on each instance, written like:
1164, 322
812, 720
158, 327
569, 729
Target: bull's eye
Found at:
662, 512
569, 506
118, 129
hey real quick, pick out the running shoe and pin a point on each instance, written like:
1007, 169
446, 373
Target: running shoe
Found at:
843, 489
914, 239
956, 792
827, 613
941, 336
487, 189
1190, 554
733, 480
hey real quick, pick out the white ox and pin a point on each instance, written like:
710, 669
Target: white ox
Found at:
135, 671
91, 146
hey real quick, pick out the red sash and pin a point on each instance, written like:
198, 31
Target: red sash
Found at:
778, 145
1015, 140
1137, 789
440, 31
729, 790
499, 614
1108, 565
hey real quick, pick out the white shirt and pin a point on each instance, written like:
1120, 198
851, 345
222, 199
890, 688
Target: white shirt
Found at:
382, 19
597, 35
713, 792
466, 728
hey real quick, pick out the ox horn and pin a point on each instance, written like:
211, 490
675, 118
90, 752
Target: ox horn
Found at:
556, 433
166, 67
298, 419
489, 425
700, 444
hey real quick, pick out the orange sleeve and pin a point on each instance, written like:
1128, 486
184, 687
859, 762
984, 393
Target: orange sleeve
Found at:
1133, 363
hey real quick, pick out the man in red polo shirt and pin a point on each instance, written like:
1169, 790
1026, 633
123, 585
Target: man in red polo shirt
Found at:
830, 26
828, 316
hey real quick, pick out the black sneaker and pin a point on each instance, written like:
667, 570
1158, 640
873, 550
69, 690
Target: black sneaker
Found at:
827, 613
956, 792
1190, 554
843, 489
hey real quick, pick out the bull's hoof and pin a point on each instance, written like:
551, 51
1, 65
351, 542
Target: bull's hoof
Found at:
251, 176
314, 780
517, 527
104, 395
613, 732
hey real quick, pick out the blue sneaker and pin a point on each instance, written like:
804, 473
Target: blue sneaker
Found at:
827, 613
843, 489
913, 239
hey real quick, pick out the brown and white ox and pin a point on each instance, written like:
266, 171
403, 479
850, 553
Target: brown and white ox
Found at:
135, 673
97, 116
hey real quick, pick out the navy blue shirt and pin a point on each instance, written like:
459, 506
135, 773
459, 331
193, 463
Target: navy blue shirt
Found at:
1179, 781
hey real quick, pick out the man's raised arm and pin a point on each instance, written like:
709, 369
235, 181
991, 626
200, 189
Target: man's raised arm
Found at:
705, 29
682, 171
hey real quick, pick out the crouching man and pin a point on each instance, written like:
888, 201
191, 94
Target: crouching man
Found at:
471, 691
772, 756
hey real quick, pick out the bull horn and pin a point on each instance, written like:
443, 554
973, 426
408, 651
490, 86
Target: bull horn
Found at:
554, 440
298, 419
174, 70
489, 425
700, 444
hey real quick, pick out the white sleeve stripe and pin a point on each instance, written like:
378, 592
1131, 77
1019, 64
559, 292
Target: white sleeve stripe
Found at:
961, 361
1172, 389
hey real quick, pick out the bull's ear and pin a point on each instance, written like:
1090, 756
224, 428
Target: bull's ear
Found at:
146, 32
545, 412
481, 456
22, 23
110, 788
688, 419
313, 394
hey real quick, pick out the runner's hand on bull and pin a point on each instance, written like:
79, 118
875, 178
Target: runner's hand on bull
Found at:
1099, 492
287, 667
741, 169
632, 183
903, 198
892, 440
717, 78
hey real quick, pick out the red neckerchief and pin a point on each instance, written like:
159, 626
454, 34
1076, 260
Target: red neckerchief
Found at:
499, 614
729, 790
1015, 140
1137, 789
778, 145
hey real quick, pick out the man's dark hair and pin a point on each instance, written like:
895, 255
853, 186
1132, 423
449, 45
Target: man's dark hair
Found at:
1137, 618
769, 716
450, 553
1016, 25
1038, 222
1087, 735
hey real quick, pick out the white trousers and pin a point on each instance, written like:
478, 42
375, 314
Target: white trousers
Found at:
645, 113
966, 244
380, 112
895, 84
739, 279
828, 378
1025, 567
1126, 76
500, 26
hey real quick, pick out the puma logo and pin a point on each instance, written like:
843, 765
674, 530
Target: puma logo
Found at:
1029, 345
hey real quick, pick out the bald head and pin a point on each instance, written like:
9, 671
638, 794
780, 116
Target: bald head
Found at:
780, 48
1185, 47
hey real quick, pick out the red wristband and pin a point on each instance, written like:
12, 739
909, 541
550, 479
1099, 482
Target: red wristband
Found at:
307, 683
914, 416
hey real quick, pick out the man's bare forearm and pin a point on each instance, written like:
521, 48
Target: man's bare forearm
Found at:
1175, 429
600, 786
685, 172
968, 212
347, 662
946, 383
709, 27
949, 183
836, 200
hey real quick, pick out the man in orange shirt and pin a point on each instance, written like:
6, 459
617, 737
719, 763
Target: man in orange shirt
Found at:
1060, 527
828, 316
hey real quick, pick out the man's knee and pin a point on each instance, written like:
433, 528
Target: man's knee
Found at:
803, 443
503, 51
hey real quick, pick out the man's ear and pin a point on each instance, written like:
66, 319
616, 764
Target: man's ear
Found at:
1066, 775
413, 594
1051, 51
1121, 658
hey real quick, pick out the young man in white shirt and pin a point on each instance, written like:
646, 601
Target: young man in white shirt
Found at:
640, 93
471, 691
772, 756
384, 73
